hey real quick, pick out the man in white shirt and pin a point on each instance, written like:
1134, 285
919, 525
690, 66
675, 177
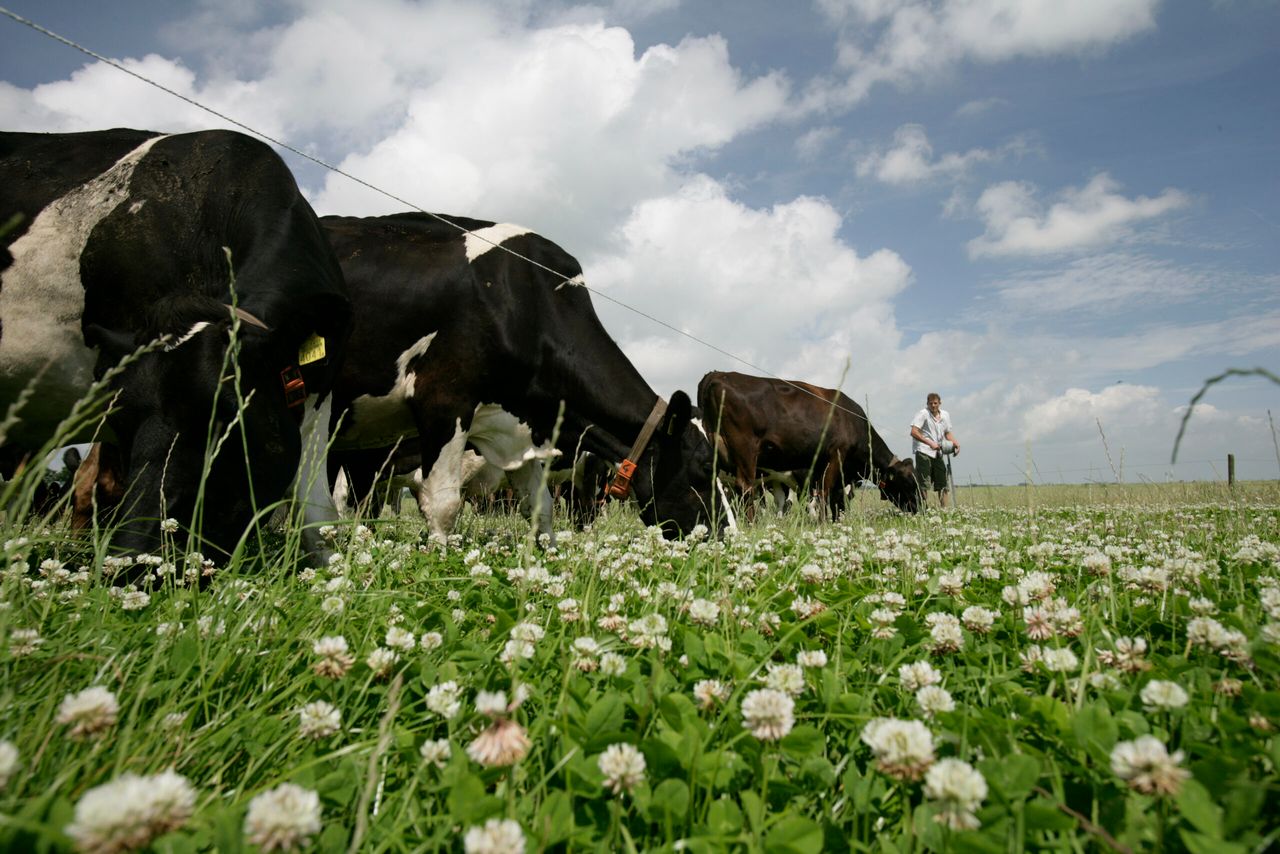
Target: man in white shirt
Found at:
929, 429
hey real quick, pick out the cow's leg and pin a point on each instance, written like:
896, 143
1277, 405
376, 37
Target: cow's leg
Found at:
833, 486
313, 500
440, 496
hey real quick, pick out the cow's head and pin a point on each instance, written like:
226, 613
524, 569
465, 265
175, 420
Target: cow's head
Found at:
673, 479
178, 402
898, 484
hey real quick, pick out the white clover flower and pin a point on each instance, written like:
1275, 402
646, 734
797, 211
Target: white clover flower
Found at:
612, 664
882, 619
8, 762
647, 632
491, 703
130, 811
623, 767
586, 646
431, 640
497, 836
1031, 656
168, 526
517, 650
335, 660
528, 632
319, 720
978, 619
1148, 767
811, 658
333, 605
704, 612
134, 600
90, 712
445, 699
330, 646
934, 699
1059, 660
436, 752
944, 633
503, 743
788, 678
23, 642
768, 714
283, 819
958, 789
917, 675
398, 638
805, 607
903, 749
709, 692
1162, 695
380, 660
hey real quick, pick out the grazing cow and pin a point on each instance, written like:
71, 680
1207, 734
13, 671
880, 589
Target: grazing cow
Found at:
126, 238
788, 426
445, 320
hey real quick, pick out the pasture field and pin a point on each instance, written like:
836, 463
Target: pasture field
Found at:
1043, 668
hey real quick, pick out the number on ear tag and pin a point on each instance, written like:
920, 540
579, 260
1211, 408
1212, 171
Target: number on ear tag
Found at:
312, 350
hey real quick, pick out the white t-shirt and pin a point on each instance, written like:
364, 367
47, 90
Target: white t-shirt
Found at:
935, 429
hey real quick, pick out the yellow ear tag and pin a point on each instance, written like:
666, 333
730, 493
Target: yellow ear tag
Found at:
312, 350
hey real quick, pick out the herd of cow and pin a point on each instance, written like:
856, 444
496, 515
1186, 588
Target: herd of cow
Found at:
250, 347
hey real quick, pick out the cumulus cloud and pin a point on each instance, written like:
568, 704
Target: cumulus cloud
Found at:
1078, 409
900, 41
99, 96
561, 129
1017, 223
910, 159
775, 286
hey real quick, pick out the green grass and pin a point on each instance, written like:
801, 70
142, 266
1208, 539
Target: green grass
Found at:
209, 681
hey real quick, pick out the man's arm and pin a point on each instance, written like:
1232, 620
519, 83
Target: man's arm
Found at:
954, 444
921, 437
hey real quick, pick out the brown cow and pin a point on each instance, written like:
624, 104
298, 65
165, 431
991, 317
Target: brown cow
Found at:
788, 426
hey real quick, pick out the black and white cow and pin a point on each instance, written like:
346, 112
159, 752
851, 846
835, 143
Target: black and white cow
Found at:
446, 321
124, 236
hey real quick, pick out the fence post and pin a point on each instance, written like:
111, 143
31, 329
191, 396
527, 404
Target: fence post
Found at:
1231, 469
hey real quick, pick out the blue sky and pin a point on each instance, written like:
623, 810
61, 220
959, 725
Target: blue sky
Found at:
1061, 216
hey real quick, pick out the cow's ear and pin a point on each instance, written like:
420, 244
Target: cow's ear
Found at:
113, 344
679, 411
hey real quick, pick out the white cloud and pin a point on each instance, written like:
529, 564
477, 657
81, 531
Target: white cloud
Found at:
777, 287
1089, 216
980, 107
899, 41
910, 159
1079, 410
99, 96
813, 142
561, 129
1110, 281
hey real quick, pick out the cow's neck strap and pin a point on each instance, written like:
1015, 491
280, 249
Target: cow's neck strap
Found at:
620, 487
